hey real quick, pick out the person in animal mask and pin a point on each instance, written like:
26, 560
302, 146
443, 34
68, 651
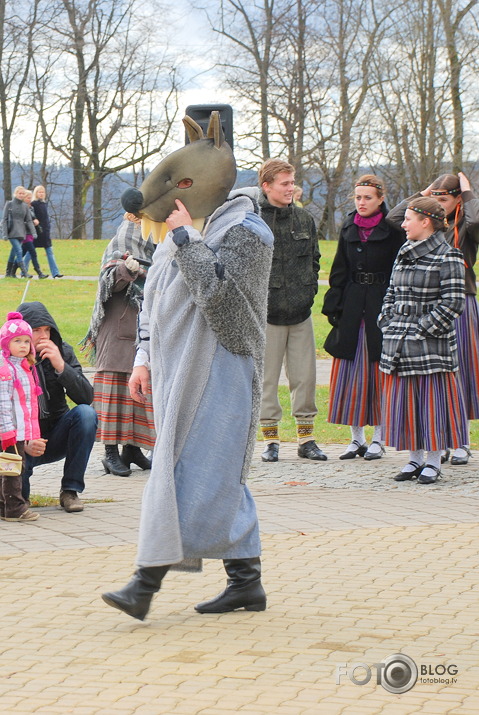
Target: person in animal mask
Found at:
201, 344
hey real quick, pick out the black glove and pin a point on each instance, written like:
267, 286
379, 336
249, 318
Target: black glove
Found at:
180, 236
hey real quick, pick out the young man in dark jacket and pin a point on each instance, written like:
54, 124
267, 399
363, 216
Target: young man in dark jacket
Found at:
293, 285
66, 433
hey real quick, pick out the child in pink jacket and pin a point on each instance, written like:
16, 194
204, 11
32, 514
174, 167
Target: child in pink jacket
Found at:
19, 392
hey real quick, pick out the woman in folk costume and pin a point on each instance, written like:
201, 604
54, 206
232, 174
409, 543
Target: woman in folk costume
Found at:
422, 409
110, 344
202, 340
462, 231
358, 281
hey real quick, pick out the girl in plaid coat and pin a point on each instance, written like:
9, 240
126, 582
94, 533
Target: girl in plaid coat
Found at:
421, 406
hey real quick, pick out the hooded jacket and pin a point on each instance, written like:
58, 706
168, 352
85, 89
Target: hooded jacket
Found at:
293, 281
56, 387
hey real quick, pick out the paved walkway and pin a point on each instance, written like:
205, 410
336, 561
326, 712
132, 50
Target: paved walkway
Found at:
357, 568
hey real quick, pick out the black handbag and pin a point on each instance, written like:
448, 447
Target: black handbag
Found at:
9, 219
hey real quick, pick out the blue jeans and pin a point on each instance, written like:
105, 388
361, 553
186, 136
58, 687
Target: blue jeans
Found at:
54, 270
16, 252
72, 438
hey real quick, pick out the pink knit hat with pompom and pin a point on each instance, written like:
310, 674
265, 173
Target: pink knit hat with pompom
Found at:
14, 327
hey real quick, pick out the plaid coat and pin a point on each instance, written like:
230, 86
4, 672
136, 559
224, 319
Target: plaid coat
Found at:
425, 295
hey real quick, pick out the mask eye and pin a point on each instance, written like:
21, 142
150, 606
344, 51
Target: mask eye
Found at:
184, 184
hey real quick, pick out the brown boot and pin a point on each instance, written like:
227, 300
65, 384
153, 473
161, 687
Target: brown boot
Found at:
70, 502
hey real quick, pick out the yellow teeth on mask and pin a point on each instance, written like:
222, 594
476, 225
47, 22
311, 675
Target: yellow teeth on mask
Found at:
158, 230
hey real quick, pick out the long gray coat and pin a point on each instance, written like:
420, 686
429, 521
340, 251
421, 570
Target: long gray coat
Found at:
203, 326
425, 295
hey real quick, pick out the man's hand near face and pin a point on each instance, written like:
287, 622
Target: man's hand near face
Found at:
47, 348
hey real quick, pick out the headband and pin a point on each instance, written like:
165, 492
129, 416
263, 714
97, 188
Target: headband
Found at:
368, 183
426, 213
444, 192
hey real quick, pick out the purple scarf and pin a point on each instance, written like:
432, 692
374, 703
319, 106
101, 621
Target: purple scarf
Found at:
366, 224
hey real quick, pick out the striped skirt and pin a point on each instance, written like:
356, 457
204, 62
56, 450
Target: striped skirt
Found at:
121, 420
423, 412
467, 330
355, 388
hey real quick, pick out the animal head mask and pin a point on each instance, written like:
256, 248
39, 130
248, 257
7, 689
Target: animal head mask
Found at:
200, 174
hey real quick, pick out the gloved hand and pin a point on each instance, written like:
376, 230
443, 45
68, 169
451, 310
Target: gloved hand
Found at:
132, 265
334, 320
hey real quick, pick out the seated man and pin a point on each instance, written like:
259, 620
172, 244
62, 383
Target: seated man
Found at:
66, 433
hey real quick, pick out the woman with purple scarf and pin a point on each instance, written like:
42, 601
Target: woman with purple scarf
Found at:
359, 278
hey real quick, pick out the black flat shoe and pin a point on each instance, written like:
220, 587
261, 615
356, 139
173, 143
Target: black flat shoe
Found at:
375, 455
405, 476
456, 461
270, 454
310, 450
353, 453
426, 479
445, 457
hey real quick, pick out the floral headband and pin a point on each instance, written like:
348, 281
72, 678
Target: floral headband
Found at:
444, 192
368, 183
426, 213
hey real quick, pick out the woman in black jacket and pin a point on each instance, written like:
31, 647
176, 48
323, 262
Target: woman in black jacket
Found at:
358, 281
43, 239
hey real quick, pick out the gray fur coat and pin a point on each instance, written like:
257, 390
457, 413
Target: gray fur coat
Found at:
203, 326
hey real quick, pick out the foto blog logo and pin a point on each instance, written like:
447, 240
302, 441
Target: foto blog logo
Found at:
397, 673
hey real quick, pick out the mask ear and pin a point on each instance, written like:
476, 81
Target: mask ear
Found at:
215, 129
193, 129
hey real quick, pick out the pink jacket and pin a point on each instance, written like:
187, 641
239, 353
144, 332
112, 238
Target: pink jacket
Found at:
18, 400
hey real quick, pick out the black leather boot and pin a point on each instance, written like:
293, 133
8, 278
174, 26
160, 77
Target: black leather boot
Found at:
130, 454
113, 463
135, 598
38, 270
23, 271
8, 270
244, 589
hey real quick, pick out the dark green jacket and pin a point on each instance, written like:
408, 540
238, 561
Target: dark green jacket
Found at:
293, 281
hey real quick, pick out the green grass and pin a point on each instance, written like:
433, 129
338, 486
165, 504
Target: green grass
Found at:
71, 303
38, 500
328, 251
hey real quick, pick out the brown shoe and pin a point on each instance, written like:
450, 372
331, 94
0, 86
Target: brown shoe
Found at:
70, 502
26, 517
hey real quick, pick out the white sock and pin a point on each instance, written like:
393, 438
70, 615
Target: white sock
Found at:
434, 460
417, 457
357, 435
462, 451
375, 446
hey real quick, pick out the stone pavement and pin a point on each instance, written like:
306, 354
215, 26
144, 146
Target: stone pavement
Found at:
357, 568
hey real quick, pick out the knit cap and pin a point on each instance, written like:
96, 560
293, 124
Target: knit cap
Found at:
14, 327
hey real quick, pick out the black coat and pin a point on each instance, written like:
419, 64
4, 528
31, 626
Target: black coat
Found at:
43, 239
359, 279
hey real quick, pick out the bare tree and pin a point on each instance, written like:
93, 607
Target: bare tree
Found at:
17, 23
113, 92
408, 112
453, 15
254, 37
